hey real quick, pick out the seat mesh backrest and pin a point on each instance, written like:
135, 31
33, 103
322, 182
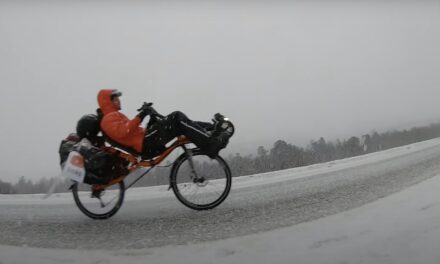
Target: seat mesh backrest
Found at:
119, 146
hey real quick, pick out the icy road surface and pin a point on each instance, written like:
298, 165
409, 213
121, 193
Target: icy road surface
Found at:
152, 217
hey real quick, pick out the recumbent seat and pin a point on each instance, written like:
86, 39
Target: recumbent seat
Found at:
119, 146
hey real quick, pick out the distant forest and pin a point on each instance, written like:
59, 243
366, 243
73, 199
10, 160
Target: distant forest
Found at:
281, 156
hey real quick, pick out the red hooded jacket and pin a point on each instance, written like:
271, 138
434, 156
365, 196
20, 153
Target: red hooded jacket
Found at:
117, 126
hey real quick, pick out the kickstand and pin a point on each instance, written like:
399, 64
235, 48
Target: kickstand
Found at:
97, 194
101, 202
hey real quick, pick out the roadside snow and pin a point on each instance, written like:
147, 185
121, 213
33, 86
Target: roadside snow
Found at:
401, 228
142, 193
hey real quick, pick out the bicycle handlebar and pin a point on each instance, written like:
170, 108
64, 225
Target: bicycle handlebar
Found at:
153, 113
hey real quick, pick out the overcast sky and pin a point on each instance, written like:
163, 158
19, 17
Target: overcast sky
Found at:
286, 70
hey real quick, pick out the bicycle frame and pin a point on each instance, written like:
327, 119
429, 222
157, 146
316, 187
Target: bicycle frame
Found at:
136, 162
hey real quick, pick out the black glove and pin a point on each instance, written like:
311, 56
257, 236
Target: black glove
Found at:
146, 109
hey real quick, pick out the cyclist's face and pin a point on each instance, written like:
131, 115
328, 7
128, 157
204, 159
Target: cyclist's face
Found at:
117, 102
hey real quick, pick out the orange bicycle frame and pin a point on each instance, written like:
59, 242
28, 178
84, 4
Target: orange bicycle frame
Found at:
136, 163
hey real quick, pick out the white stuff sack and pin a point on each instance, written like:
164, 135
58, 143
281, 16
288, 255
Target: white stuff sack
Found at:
74, 167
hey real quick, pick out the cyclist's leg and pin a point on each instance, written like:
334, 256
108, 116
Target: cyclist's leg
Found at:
176, 124
195, 131
150, 148
198, 133
156, 137
206, 125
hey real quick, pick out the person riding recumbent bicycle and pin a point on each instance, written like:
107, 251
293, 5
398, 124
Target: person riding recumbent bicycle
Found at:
199, 178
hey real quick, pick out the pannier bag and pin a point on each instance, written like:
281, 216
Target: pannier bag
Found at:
100, 166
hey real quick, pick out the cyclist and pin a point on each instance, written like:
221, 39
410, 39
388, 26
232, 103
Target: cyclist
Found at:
151, 141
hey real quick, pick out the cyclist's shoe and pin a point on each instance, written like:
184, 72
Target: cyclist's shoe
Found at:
222, 130
222, 125
218, 117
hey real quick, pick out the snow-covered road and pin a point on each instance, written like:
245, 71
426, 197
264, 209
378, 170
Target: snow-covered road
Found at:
259, 220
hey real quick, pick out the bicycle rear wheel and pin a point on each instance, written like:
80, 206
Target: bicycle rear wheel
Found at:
106, 206
207, 188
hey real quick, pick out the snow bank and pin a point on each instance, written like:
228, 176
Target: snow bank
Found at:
401, 228
142, 193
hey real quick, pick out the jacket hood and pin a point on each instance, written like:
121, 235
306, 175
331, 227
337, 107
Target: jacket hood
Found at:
105, 102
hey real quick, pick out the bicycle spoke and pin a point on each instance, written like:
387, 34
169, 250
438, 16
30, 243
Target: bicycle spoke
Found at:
98, 205
209, 188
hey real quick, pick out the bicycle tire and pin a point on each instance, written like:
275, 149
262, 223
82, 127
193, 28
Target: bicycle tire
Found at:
174, 182
100, 216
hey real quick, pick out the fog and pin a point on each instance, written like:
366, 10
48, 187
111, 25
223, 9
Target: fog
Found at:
288, 70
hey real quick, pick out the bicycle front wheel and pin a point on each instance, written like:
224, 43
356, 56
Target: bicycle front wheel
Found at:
199, 182
102, 205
